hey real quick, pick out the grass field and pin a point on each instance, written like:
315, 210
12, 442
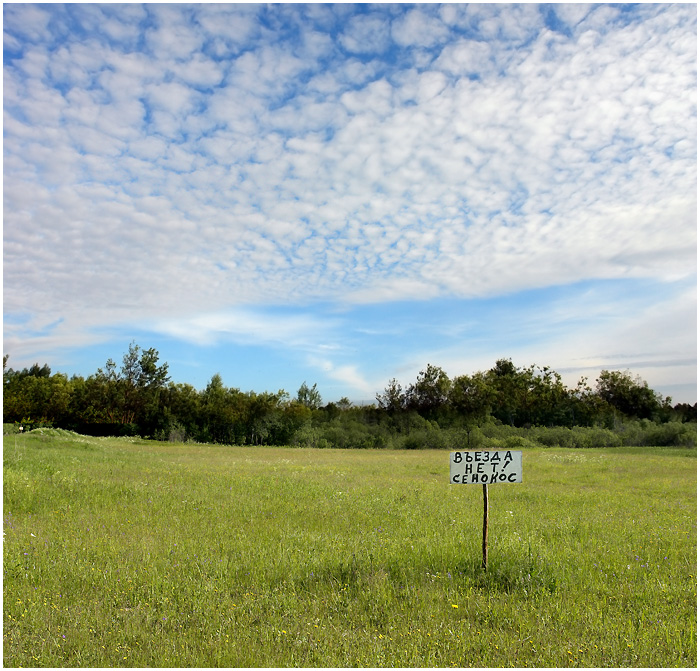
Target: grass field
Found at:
142, 554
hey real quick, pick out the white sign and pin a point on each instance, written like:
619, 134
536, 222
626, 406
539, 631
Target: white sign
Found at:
486, 467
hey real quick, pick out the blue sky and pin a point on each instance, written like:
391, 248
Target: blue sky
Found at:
342, 194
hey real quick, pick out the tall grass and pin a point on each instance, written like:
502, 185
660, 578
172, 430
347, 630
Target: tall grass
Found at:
122, 552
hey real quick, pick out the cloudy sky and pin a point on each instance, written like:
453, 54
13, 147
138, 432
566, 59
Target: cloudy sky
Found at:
342, 194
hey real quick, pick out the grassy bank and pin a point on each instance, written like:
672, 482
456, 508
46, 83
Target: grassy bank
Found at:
132, 553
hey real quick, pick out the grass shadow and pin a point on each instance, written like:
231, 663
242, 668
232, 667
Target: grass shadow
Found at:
510, 574
507, 573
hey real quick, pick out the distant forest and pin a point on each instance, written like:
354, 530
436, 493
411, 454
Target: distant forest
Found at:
505, 405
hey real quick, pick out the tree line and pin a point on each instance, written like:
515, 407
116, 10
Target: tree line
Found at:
139, 398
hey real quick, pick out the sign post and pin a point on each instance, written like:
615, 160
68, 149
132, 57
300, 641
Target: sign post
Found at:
485, 536
486, 467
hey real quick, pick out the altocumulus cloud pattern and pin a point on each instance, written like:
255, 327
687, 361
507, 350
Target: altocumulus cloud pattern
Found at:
181, 167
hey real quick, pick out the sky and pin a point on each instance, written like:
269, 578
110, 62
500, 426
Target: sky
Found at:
342, 194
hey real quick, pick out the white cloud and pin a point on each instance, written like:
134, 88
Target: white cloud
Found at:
248, 326
366, 34
174, 98
657, 342
466, 57
233, 24
418, 28
579, 334
348, 375
29, 22
571, 13
173, 36
199, 72
234, 160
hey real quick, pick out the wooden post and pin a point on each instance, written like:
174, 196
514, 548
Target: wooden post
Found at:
485, 544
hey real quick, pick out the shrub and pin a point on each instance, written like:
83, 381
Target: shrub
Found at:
632, 433
427, 439
473, 438
518, 442
582, 436
600, 437
557, 436
673, 433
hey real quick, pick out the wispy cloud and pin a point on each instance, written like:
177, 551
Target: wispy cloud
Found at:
246, 326
188, 165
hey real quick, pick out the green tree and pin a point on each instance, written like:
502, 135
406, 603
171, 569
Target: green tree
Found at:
217, 417
11, 410
684, 412
392, 399
472, 396
33, 393
587, 407
293, 418
629, 395
548, 401
91, 402
36, 397
509, 387
264, 420
57, 406
183, 409
344, 404
26, 397
131, 395
309, 396
430, 392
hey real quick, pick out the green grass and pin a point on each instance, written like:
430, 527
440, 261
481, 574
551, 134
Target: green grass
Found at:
123, 552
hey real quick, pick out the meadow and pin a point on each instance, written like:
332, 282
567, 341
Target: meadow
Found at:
135, 553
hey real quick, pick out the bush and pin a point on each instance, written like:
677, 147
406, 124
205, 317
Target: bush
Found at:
518, 442
582, 436
427, 439
307, 436
632, 433
600, 437
176, 433
418, 434
461, 439
475, 438
673, 433
497, 430
557, 436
